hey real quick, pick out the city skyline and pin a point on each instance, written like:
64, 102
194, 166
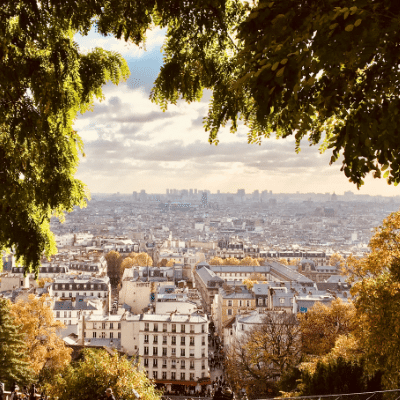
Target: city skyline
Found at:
130, 144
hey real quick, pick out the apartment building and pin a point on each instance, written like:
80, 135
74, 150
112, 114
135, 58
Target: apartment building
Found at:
174, 349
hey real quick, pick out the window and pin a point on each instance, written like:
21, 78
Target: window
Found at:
146, 338
182, 340
203, 365
240, 303
183, 328
183, 365
155, 374
203, 340
94, 334
229, 303
182, 352
155, 351
248, 303
260, 301
173, 351
173, 327
164, 340
173, 376
203, 328
155, 362
111, 325
119, 325
282, 300
173, 364
155, 339
191, 341
203, 353
164, 351
173, 340
58, 314
55, 294
191, 328
182, 376
111, 335
146, 350
164, 363
164, 375
191, 352
164, 328
192, 376
229, 311
191, 366
63, 295
119, 335
103, 325
146, 326
155, 327
146, 362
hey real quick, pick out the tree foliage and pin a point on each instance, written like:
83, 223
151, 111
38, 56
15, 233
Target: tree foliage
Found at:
98, 370
14, 364
216, 261
114, 260
264, 354
322, 71
249, 261
323, 324
39, 330
377, 300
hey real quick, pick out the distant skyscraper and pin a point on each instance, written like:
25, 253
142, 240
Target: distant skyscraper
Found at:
195, 191
241, 192
134, 195
204, 199
167, 192
191, 192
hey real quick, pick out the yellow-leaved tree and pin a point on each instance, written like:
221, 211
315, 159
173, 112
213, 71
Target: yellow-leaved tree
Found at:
249, 261
231, 261
45, 348
216, 261
336, 259
376, 287
170, 263
142, 259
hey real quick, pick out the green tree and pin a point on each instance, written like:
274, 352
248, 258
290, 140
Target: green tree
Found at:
97, 371
14, 365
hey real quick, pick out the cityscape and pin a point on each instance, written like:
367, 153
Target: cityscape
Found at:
177, 309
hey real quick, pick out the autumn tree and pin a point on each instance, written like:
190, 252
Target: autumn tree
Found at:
127, 262
336, 259
14, 361
143, 260
163, 262
249, 261
170, 263
231, 261
283, 261
260, 357
376, 290
39, 330
114, 260
216, 261
97, 371
294, 261
323, 324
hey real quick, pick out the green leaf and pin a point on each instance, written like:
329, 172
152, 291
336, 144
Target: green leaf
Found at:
386, 174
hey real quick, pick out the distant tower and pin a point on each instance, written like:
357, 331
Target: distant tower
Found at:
167, 192
204, 199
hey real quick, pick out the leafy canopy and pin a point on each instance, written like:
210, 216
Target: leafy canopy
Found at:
326, 71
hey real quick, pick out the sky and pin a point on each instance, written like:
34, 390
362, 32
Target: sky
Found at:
131, 145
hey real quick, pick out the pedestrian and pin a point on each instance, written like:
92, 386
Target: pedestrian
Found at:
109, 394
32, 392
